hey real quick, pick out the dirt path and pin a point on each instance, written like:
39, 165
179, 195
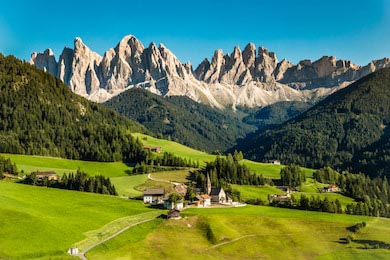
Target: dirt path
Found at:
82, 254
228, 242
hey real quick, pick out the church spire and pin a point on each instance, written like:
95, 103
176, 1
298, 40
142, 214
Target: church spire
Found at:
208, 185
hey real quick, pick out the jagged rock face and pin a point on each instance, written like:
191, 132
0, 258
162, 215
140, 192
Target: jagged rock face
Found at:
242, 78
238, 68
45, 61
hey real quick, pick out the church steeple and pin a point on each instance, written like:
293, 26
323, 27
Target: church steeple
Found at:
208, 184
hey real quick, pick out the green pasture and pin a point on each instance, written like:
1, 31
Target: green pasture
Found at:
40, 222
251, 232
172, 176
256, 192
29, 163
125, 185
176, 148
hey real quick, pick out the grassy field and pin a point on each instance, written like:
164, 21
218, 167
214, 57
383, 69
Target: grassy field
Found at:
29, 163
176, 148
39, 222
252, 232
125, 185
268, 170
253, 192
174, 176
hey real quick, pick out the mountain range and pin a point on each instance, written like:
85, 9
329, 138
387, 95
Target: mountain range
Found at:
251, 78
346, 130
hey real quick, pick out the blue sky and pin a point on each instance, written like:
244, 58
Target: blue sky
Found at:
357, 30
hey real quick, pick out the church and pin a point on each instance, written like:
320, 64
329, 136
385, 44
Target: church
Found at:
217, 195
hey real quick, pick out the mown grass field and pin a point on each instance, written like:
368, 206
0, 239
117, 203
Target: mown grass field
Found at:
176, 148
172, 176
253, 192
29, 163
125, 185
262, 233
39, 222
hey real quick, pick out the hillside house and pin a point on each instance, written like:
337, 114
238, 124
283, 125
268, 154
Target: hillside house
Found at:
276, 162
174, 214
202, 200
73, 251
330, 188
156, 149
154, 196
218, 195
169, 205
279, 197
51, 175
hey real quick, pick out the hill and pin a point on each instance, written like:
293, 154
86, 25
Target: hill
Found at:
40, 115
43, 223
182, 119
251, 232
344, 130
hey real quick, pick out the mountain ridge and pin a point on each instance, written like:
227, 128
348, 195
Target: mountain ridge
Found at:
347, 130
252, 77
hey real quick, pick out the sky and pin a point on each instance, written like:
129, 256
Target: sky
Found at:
357, 30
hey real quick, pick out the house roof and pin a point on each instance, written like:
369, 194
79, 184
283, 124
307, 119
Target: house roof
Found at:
205, 196
154, 192
215, 191
173, 213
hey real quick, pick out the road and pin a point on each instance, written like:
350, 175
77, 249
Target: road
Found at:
82, 254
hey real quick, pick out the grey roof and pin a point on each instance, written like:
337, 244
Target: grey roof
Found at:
154, 192
215, 191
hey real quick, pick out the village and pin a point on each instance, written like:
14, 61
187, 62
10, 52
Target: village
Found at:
174, 202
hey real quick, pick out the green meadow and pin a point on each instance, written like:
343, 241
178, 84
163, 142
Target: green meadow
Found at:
251, 232
268, 170
176, 148
39, 222
172, 176
29, 163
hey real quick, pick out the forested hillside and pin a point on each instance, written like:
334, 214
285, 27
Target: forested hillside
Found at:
347, 130
182, 119
275, 114
40, 115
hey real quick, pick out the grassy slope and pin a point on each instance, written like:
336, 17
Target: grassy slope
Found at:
174, 176
41, 222
278, 233
267, 169
30, 163
125, 185
176, 148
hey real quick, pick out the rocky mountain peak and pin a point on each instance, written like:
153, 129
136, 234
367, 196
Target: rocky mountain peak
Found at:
45, 61
252, 77
249, 55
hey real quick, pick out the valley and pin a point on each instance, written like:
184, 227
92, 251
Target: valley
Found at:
257, 229
119, 150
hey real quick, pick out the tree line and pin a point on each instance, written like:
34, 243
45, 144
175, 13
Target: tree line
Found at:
154, 163
79, 182
309, 203
227, 170
6, 166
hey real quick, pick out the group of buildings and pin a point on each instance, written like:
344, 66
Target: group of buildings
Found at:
203, 198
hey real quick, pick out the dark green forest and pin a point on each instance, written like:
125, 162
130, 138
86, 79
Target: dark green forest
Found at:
274, 114
79, 181
40, 115
181, 119
6, 166
347, 130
